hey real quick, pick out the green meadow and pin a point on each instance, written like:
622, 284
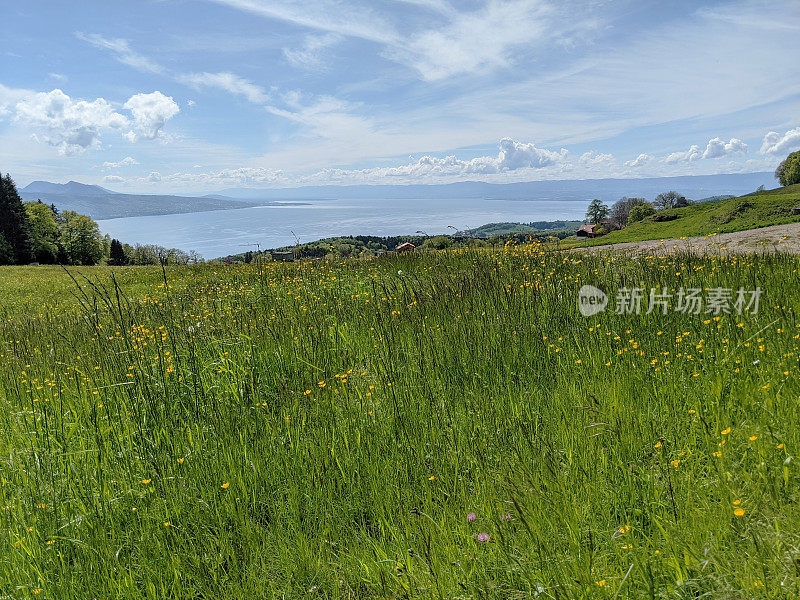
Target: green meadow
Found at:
760, 209
432, 425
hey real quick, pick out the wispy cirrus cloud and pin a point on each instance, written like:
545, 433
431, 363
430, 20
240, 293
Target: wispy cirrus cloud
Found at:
122, 51
228, 82
311, 54
349, 19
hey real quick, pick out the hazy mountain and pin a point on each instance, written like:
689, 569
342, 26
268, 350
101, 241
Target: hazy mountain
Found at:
100, 203
608, 190
71, 187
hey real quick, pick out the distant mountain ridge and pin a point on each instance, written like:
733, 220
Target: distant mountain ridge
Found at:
100, 203
71, 187
691, 186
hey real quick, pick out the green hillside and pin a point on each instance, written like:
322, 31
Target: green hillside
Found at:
773, 207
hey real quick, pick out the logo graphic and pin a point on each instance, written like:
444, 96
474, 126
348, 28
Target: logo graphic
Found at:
591, 300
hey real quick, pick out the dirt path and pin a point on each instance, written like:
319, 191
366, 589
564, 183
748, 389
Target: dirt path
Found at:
781, 238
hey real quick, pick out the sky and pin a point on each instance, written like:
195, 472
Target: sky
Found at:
187, 96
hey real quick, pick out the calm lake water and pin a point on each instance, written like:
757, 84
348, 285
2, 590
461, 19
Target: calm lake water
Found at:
224, 232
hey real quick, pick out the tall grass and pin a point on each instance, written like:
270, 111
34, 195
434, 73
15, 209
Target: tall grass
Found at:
439, 425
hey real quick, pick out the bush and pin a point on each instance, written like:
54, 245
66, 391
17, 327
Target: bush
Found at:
639, 212
439, 242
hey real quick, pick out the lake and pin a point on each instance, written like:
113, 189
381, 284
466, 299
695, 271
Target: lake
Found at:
220, 233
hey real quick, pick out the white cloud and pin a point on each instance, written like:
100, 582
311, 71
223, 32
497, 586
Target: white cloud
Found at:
475, 40
150, 114
775, 143
513, 156
442, 41
242, 176
640, 160
309, 56
595, 159
718, 148
113, 179
229, 82
123, 51
516, 155
9, 97
125, 162
692, 154
348, 19
57, 76
71, 126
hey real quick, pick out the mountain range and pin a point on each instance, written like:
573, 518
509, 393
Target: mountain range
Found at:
101, 203
607, 190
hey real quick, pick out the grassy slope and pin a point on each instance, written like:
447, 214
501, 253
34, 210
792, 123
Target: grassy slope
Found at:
37, 290
736, 214
324, 429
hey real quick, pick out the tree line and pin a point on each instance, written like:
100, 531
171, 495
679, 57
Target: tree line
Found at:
35, 232
629, 210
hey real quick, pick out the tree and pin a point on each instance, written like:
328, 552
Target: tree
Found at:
438, 242
788, 172
117, 254
80, 237
45, 232
15, 226
640, 212
622, 208
597, 211
670, 200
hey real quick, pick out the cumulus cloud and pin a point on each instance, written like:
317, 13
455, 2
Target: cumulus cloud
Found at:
113, 179
512, 156
775, 143
150, 113
229, 82
595, 159
516, 155
69, 125
125, 162
243, 176
72, 126
718, 148
640, 160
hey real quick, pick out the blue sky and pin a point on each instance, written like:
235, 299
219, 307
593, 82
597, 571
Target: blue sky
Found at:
200, 95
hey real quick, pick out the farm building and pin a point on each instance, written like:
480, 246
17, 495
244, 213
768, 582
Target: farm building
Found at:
405, 247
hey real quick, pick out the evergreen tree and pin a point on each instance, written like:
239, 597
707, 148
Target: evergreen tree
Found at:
15, 227
117, 254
